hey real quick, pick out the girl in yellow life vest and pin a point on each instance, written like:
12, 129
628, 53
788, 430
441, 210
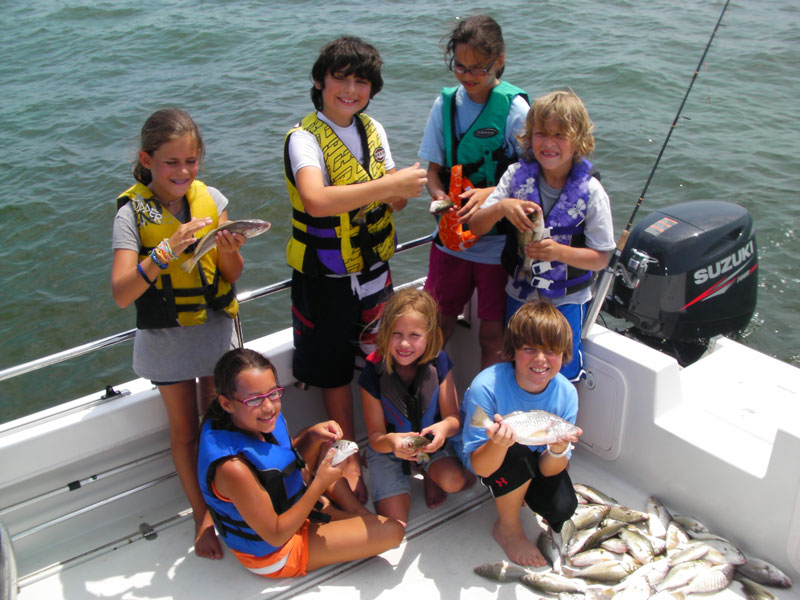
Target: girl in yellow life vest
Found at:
184, 320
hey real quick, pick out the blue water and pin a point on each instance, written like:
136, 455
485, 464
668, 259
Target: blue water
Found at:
77, 82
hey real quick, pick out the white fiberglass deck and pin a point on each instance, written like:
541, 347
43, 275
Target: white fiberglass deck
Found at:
718, 441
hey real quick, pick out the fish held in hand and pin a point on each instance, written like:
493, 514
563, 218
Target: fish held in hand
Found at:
344, 449
527, 237
416, 442
532, 428
246, 227
441, 206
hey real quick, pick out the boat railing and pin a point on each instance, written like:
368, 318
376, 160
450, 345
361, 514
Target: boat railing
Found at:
124, 336
82, 483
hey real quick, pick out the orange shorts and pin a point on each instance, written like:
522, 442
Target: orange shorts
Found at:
289, 561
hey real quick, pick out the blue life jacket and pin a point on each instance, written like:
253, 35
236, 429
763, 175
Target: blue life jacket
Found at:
275, 463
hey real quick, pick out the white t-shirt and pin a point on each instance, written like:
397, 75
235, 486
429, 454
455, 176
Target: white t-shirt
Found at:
304, 151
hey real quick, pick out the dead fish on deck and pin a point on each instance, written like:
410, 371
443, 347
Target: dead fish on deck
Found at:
344, 450
246, 227
659, 517
594, 495
763, 572
527, 237
676, 536
588, 515
502, 571
532, 428
415, 442
609, 571
439, 207
690, 524
722, 551
550, 549
552, 583
753, 590
713, 580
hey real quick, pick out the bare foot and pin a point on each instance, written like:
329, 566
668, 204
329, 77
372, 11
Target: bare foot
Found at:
206, 543
434, 495
517, 547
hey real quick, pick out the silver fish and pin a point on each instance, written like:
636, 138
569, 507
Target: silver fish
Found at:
659, 517
501, 571
593, 556
532, 428
638, 545
653, 573
605, 572
690, 524
246, 227
614, 545
552, 583
763, 572
594, 495
550, 549
676, 536
722, 551
566, 534
714, 579
607, 530
526, 237
753, 590
588, 515
629, 515
441, 206
688, 552
344, 449
682, 574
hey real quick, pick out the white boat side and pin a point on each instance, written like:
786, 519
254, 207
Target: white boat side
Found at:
718, 440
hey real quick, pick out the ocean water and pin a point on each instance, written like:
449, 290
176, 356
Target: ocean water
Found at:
77, 80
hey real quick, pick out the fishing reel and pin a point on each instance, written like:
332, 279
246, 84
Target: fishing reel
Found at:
636, 268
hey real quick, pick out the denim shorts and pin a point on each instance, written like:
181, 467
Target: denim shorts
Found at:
386, 472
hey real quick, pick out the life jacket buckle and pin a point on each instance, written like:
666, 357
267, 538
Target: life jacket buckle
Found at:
541, 283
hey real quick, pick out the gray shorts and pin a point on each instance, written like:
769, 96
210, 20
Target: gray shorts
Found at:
386, 472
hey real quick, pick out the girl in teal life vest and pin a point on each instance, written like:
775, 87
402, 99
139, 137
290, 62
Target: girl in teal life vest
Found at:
252, 474
408, 392
473, 125
184, 320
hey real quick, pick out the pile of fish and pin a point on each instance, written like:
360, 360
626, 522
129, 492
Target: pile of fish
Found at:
607, 550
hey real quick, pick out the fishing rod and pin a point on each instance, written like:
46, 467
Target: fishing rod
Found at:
608, 273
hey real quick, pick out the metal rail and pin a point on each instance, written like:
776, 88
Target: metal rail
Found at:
124, 336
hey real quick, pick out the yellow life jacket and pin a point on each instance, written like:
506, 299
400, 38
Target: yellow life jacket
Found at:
336, 245
178, 298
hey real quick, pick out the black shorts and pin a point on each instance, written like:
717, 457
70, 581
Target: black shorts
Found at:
551, 497
335, 322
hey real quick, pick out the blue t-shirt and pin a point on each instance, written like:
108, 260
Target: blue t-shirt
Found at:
496, 390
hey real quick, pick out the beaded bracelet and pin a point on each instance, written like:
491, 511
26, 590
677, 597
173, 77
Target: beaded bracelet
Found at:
167, 249
155, 258
560, 454
143, 274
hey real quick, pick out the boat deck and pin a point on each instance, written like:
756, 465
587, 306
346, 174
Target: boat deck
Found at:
706, 440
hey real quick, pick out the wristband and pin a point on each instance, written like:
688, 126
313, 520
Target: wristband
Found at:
154, 257
560, 454
143, 274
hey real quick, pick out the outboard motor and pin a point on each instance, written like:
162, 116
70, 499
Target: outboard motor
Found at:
688, 272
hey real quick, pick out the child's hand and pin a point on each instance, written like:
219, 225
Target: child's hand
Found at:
439, 437
328, 431
471, 201
326, 473
229, 242
517, 211
399, 448
501, 434
184, 235
408, 182
546, 249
